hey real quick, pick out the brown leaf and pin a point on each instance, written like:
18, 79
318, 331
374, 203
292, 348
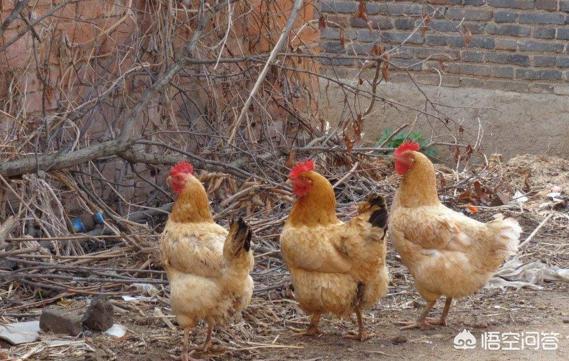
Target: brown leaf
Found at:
467, 37
385, 70
362, 10
291, 160
322, 22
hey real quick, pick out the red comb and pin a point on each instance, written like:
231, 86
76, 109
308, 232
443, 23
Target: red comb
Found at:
406, 146
182, 167
301, 167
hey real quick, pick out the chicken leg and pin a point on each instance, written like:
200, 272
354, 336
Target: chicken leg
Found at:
421, 322
313, 329
208, 341
362, 334
443, 320
186, 354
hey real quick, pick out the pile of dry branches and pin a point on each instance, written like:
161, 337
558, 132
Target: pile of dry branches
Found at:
231, 86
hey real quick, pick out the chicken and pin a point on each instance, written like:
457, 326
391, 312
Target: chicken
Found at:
207, 266
448, 253
336, 267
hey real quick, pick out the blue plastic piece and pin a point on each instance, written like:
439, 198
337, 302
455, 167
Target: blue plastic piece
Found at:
78, 225
99, 217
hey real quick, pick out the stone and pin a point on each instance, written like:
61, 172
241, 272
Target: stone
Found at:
57, 320
99, 315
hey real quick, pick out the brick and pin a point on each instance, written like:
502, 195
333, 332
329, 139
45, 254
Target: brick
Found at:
334, 34
435, 54
471, 82
376, 22
507, 85
444, 25
474, 28
359, 49
336, 62
478, 70
533, 45
474, 2
368, 36
508, 29
439, 40
563, 34
544, 33
505, 44
484, 42
562, 62
546, 4
541, 88
407, 64
469, 14
538, 74
561, 89
332, 47
544, 61
403, 52
342, 7
57, 320
404, 9
470, 56
503, 72
455, 41
506, 58
505, 17
337, 21
405, 23
541, 18
395, 37
512, 4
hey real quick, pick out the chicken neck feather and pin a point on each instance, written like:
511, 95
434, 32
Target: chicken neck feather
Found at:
192, 204
419, 184
318, 207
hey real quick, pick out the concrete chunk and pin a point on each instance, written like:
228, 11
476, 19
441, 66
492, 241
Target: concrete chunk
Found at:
99, 315
57, 320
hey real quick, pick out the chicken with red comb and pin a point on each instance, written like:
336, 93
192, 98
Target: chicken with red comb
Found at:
336, 268
448, 253
207, 266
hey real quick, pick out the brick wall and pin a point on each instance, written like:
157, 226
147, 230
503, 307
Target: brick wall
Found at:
517, 45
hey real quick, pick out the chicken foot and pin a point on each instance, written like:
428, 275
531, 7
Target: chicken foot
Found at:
186, 354
443, 320
423, 322
208, 341
313, 329
362, 334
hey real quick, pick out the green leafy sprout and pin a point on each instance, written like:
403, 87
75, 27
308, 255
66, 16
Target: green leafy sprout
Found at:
400, 137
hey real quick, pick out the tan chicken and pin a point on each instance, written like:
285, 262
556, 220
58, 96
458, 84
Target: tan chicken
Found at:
336, 267
207, 266
448, 253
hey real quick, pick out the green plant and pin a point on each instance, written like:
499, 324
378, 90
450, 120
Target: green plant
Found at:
400, 137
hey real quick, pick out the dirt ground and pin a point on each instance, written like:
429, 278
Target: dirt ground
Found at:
491, 310
269, 328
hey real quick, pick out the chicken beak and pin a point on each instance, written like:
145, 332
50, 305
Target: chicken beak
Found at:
169, 181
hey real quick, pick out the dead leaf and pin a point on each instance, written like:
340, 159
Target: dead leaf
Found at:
322, 22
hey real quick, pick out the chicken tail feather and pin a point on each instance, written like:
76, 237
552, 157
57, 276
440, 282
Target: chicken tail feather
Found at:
239, 236
378, 217
508, 233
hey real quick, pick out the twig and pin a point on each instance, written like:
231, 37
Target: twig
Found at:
263, 74
530, 237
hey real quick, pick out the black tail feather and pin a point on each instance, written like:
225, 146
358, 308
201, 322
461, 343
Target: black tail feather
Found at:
379, 215
243, 235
